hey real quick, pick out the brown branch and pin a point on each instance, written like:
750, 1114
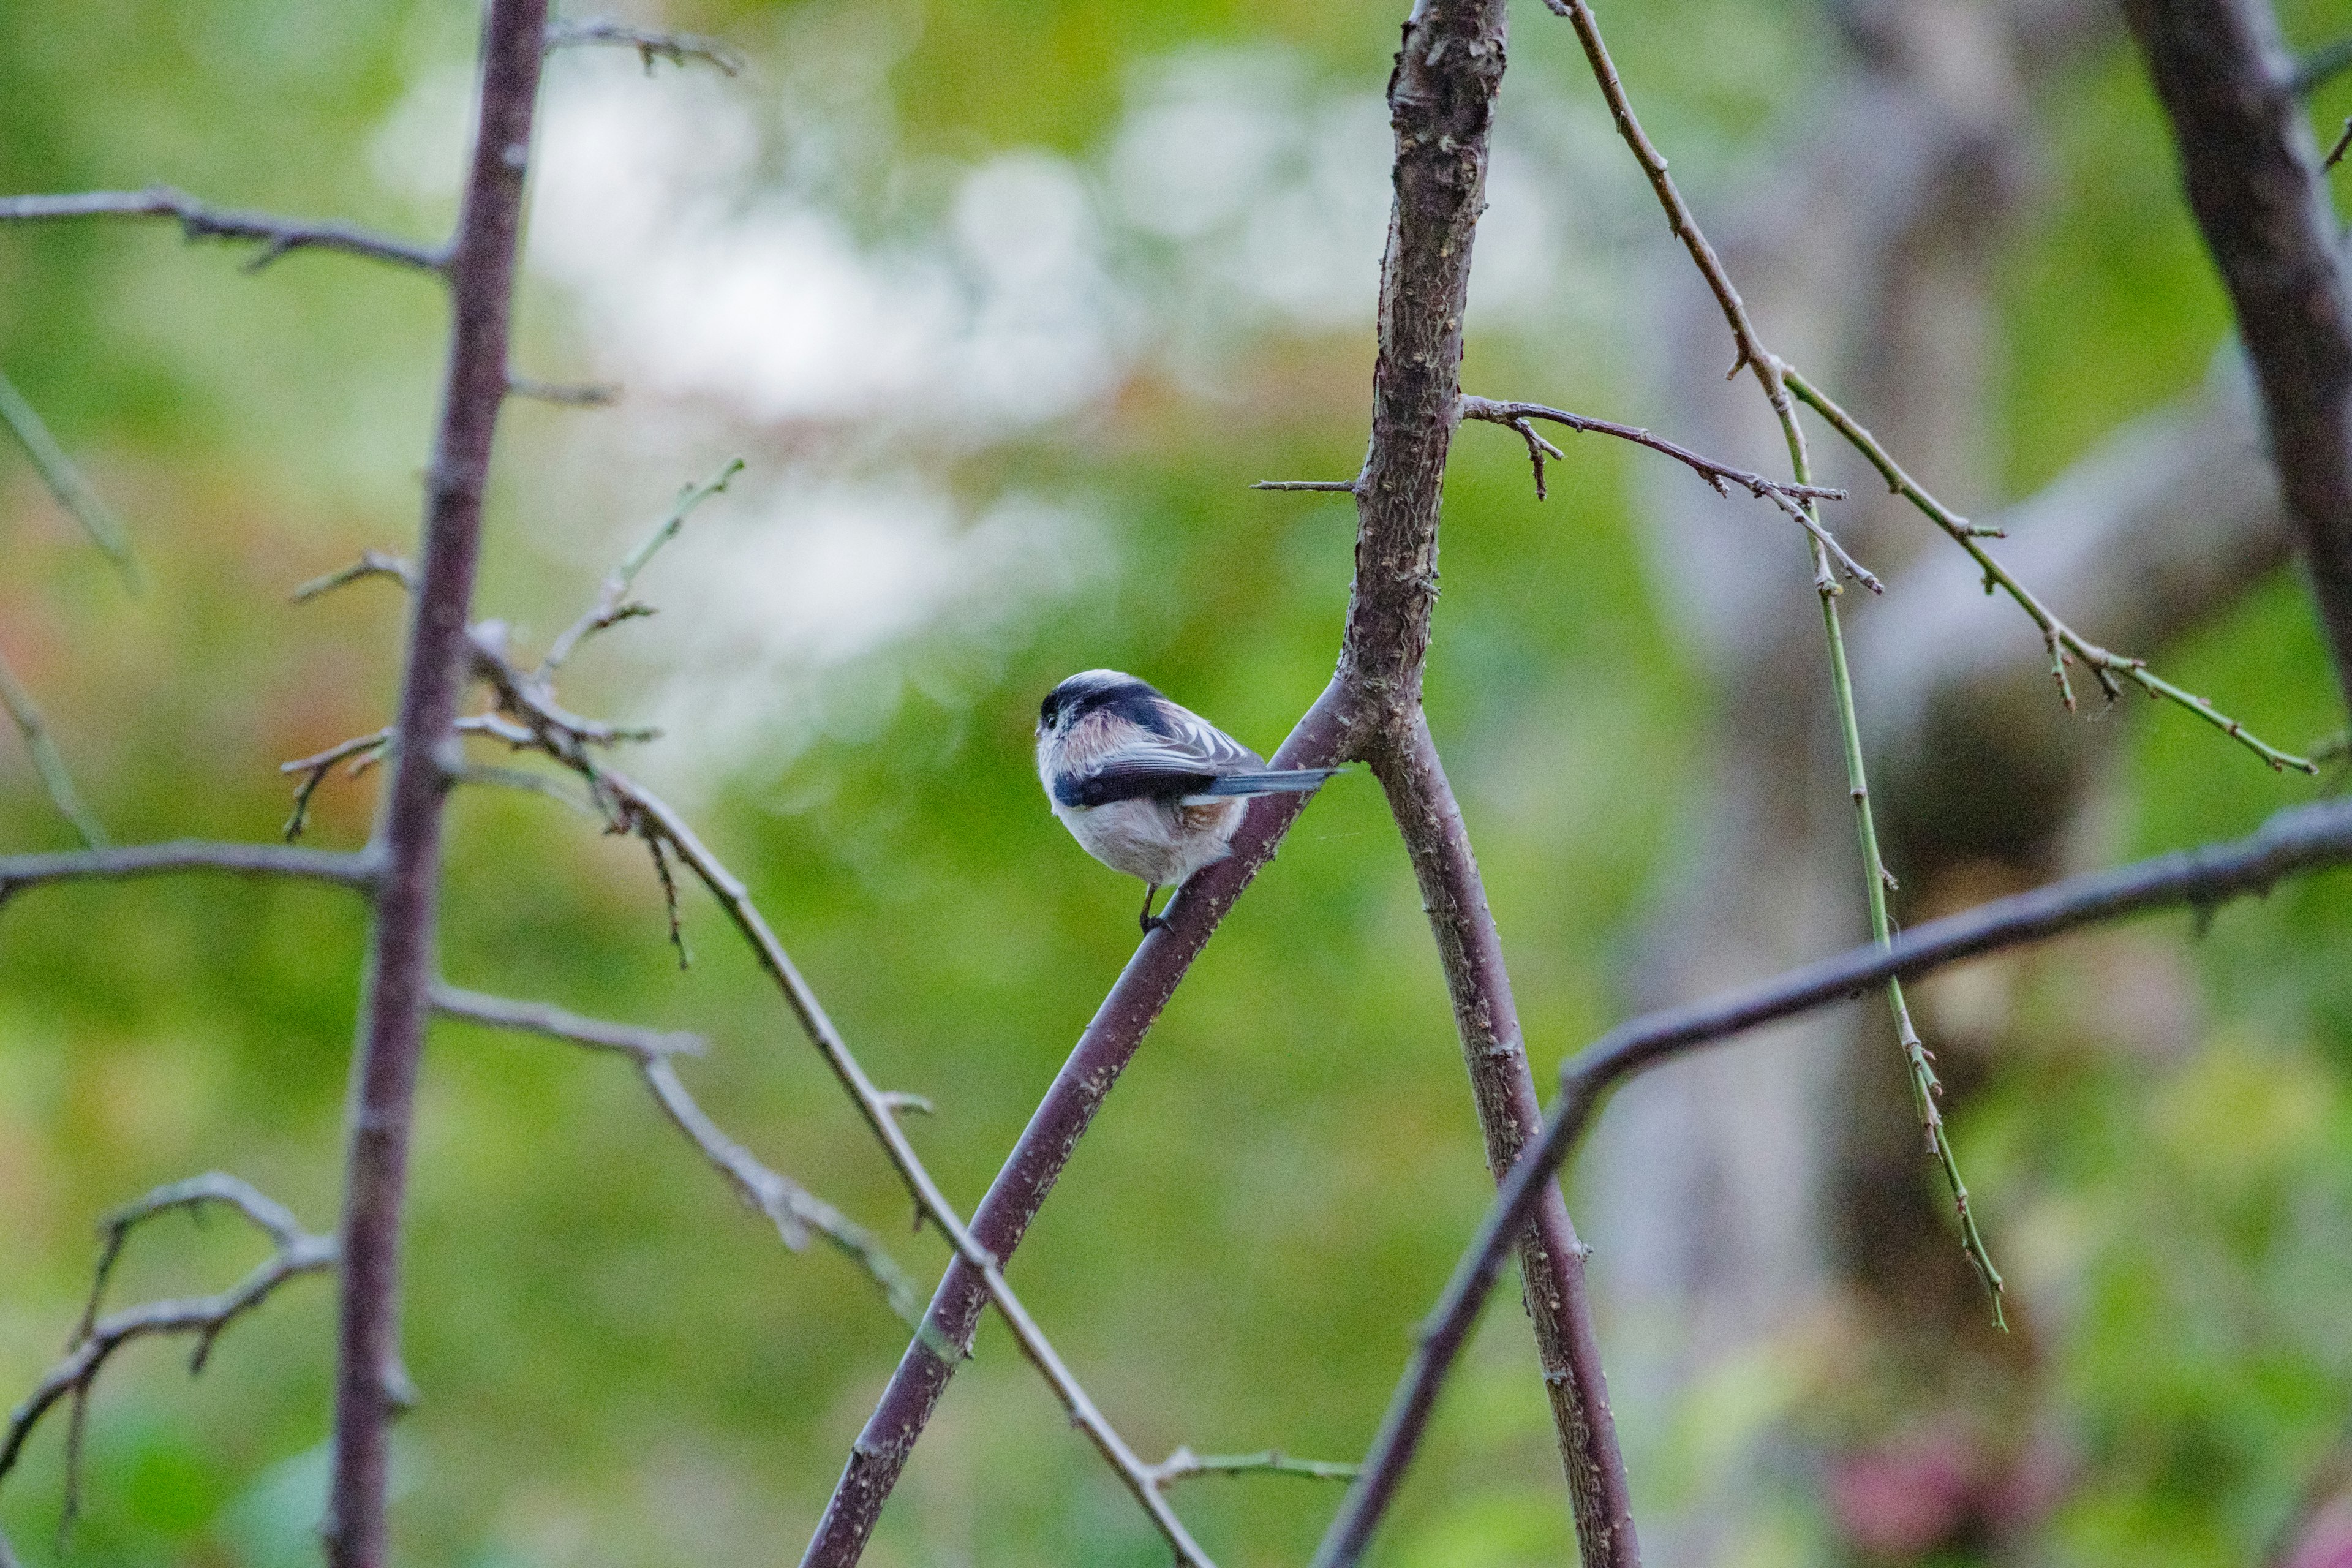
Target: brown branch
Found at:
791, 1208
481, 270
2305, 839
276, 235
1442, 96
678, 48
2227, 84
294, 1252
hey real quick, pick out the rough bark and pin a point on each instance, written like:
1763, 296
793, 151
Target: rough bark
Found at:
2252, 173
400, 957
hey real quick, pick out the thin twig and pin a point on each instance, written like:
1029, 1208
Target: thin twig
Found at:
613, 604
792, 1209
574, 394
2065, 644
678, 48
46, 762
276, 235
371, 563
1184, 1464
1342, 486
65, 482
314, 771
2294, 842
294, 1252
2343, 144
356, 870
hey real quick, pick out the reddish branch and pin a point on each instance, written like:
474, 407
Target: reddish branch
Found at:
1442, 97
2250, 168
480, 270
2305, 839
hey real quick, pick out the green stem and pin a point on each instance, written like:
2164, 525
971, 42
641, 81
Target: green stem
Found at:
1920, 1067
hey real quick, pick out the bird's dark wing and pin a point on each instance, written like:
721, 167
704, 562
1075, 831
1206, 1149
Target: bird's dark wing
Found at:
1130, 779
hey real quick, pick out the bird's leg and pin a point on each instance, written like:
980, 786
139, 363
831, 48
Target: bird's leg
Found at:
1151, 921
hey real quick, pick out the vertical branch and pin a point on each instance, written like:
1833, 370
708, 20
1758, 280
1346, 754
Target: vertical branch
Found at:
2250, 168
481, 277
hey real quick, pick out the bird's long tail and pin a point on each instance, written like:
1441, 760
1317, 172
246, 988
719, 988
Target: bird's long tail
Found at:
1285, 781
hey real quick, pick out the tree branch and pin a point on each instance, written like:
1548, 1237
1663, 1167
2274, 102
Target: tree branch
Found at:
96, 1338
276, 235
2305, 839
480, 269
2250, 172
678, 48
791, 1208
344, 869
1184, 1464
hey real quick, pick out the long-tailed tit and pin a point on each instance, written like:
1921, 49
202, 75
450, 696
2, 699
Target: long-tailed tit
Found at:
1146, 786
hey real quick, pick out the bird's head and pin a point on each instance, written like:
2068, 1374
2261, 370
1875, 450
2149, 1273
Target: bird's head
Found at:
1085, 692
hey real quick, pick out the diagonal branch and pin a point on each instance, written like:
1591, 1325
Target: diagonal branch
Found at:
51, 767
791, 1208
613, 603
65, 482
2295, 842
276, 235
294, 1252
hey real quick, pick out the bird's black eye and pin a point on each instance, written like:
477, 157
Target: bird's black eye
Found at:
1048, 710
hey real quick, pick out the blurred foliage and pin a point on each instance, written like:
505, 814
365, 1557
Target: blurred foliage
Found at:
620, 1364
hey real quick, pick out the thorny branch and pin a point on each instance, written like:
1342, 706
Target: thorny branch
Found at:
295, 1251
678, 48
2292, 842
791, 1208
197, 220
2064, 643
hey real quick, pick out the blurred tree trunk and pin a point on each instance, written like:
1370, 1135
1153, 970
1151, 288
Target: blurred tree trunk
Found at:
1772, 1201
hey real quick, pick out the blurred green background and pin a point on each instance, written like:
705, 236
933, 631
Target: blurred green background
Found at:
1060, 278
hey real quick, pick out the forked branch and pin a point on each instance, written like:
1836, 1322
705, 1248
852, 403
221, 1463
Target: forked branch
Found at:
294, 1251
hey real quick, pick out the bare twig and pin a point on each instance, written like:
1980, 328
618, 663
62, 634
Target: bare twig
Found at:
678, 48
358, 870
367, 749
613, 603
585, 395
792, 1209
276, 235
96, 1338
481, 270
47, 762
65, 482
2066, 646
1719, 476
1343, 487
1184, 1464
2225, 82
371, 563
2292, 843
2343, 145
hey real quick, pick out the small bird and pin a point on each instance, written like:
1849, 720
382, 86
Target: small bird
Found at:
1145, 786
